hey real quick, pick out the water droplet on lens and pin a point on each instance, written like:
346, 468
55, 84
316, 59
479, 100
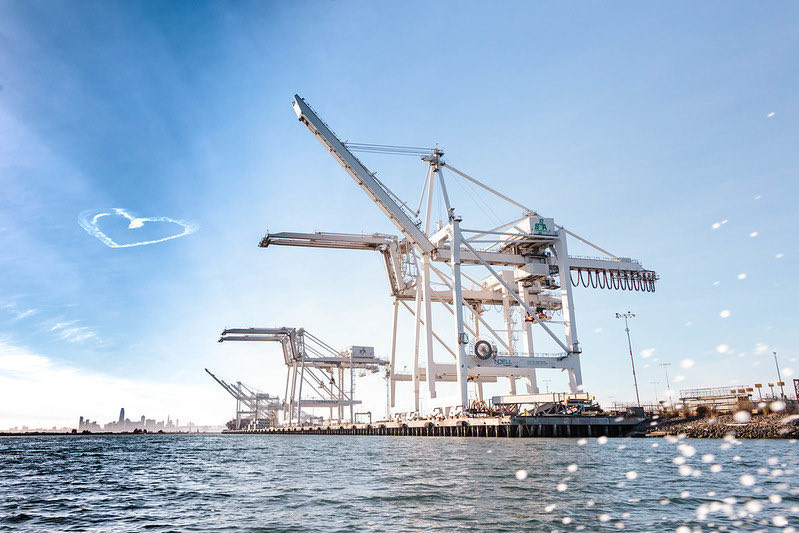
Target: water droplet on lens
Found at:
687, 450
753, 507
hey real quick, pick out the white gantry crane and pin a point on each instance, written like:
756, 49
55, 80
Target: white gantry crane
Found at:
257, 409
313, 363
525, 262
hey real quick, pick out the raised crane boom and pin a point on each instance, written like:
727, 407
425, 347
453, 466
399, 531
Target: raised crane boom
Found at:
362, 176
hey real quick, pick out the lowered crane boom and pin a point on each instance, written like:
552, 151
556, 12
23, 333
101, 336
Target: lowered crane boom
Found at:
362, 176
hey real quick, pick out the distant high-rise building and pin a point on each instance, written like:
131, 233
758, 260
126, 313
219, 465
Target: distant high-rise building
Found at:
80, 424
122, 416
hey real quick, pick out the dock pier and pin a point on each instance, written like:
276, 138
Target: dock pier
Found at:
506, 426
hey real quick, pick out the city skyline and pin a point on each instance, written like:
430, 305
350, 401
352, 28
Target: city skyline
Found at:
124, 424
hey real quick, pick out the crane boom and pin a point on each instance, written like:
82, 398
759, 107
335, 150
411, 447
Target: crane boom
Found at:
224, 385
362, 176
396, 254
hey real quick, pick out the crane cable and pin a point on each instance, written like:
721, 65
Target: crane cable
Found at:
614, 279
388, 149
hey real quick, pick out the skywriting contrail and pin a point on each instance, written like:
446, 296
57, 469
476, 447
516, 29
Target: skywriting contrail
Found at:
89, 219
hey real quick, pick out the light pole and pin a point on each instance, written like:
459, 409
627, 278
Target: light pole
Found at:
627, 316
666, 370
655, 383
779, 378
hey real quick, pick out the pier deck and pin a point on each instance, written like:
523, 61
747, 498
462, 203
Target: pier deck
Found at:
506, 426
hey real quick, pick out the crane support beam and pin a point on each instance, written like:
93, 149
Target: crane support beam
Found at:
362, 176
349, 241
590, 263
447, 375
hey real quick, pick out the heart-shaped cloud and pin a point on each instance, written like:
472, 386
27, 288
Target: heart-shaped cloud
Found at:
89, 219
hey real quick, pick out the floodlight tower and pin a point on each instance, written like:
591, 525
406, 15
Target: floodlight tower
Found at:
668, 386
627, 316
779, 376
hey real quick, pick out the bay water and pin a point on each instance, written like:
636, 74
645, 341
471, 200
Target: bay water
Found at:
349, 483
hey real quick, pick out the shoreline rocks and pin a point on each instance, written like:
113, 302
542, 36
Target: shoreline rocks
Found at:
760, 426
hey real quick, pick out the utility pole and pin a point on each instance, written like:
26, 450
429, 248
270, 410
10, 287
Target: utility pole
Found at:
666, 370
627, 316
779, 378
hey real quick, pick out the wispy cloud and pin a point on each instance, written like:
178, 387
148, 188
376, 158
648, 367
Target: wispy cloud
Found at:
26, 313
17, 313
69, 331
77, 334
60, 325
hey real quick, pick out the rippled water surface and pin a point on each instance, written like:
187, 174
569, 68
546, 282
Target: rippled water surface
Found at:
271, 482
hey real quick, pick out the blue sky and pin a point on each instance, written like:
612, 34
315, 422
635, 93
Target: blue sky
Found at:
636, 126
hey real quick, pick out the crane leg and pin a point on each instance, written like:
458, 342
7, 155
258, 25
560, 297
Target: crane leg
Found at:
392, 382
532, 379
416, 373
575, 375
567, 299
428, 326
